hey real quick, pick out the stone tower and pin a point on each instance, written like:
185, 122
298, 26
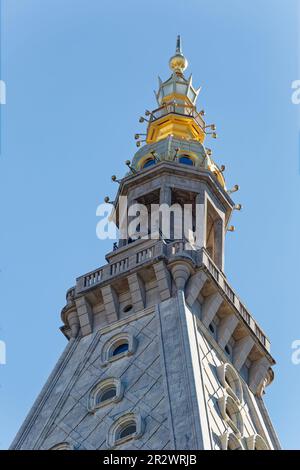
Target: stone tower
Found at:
161, 353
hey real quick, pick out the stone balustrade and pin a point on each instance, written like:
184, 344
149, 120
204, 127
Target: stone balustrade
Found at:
157, 249
230, 294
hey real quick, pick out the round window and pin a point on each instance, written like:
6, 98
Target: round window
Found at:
127, 308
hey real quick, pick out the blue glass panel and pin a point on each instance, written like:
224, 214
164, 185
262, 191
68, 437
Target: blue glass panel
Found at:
149, 162
186, 160
120, 349
129, 430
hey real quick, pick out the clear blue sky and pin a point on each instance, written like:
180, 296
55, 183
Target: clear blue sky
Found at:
79, 73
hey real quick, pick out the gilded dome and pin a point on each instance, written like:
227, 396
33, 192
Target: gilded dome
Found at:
178, 63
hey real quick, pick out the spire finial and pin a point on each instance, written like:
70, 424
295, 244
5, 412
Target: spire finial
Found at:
178, 62
178, 45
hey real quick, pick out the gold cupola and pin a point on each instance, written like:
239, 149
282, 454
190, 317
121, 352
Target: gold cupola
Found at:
176, 129
176, 97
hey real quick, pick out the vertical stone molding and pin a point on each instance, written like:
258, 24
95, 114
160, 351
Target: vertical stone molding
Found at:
219, 243
181, 372
165, 195
163, 280
201, 219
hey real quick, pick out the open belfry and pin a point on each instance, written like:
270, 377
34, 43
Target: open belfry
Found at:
161, 353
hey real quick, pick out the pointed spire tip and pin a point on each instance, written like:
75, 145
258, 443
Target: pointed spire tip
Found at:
178, 62
178, 45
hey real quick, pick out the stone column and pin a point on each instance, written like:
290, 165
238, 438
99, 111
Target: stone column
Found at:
219, 243
200, 219
165, 197
131, 202
123, 212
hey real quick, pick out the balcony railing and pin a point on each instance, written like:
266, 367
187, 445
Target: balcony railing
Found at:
231, 295
126, 263
156, 249
93, 278
177, 108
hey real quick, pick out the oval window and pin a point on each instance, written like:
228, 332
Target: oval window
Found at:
127, 308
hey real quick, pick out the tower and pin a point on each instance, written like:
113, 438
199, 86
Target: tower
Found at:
161, 353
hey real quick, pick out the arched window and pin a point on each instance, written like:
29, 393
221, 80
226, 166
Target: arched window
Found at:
105, 392
61, 446
128, 429
149, 162
230, 381
186, 160
121, 348
128, 426
118, 346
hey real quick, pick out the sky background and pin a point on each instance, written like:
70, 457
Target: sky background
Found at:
79, 73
